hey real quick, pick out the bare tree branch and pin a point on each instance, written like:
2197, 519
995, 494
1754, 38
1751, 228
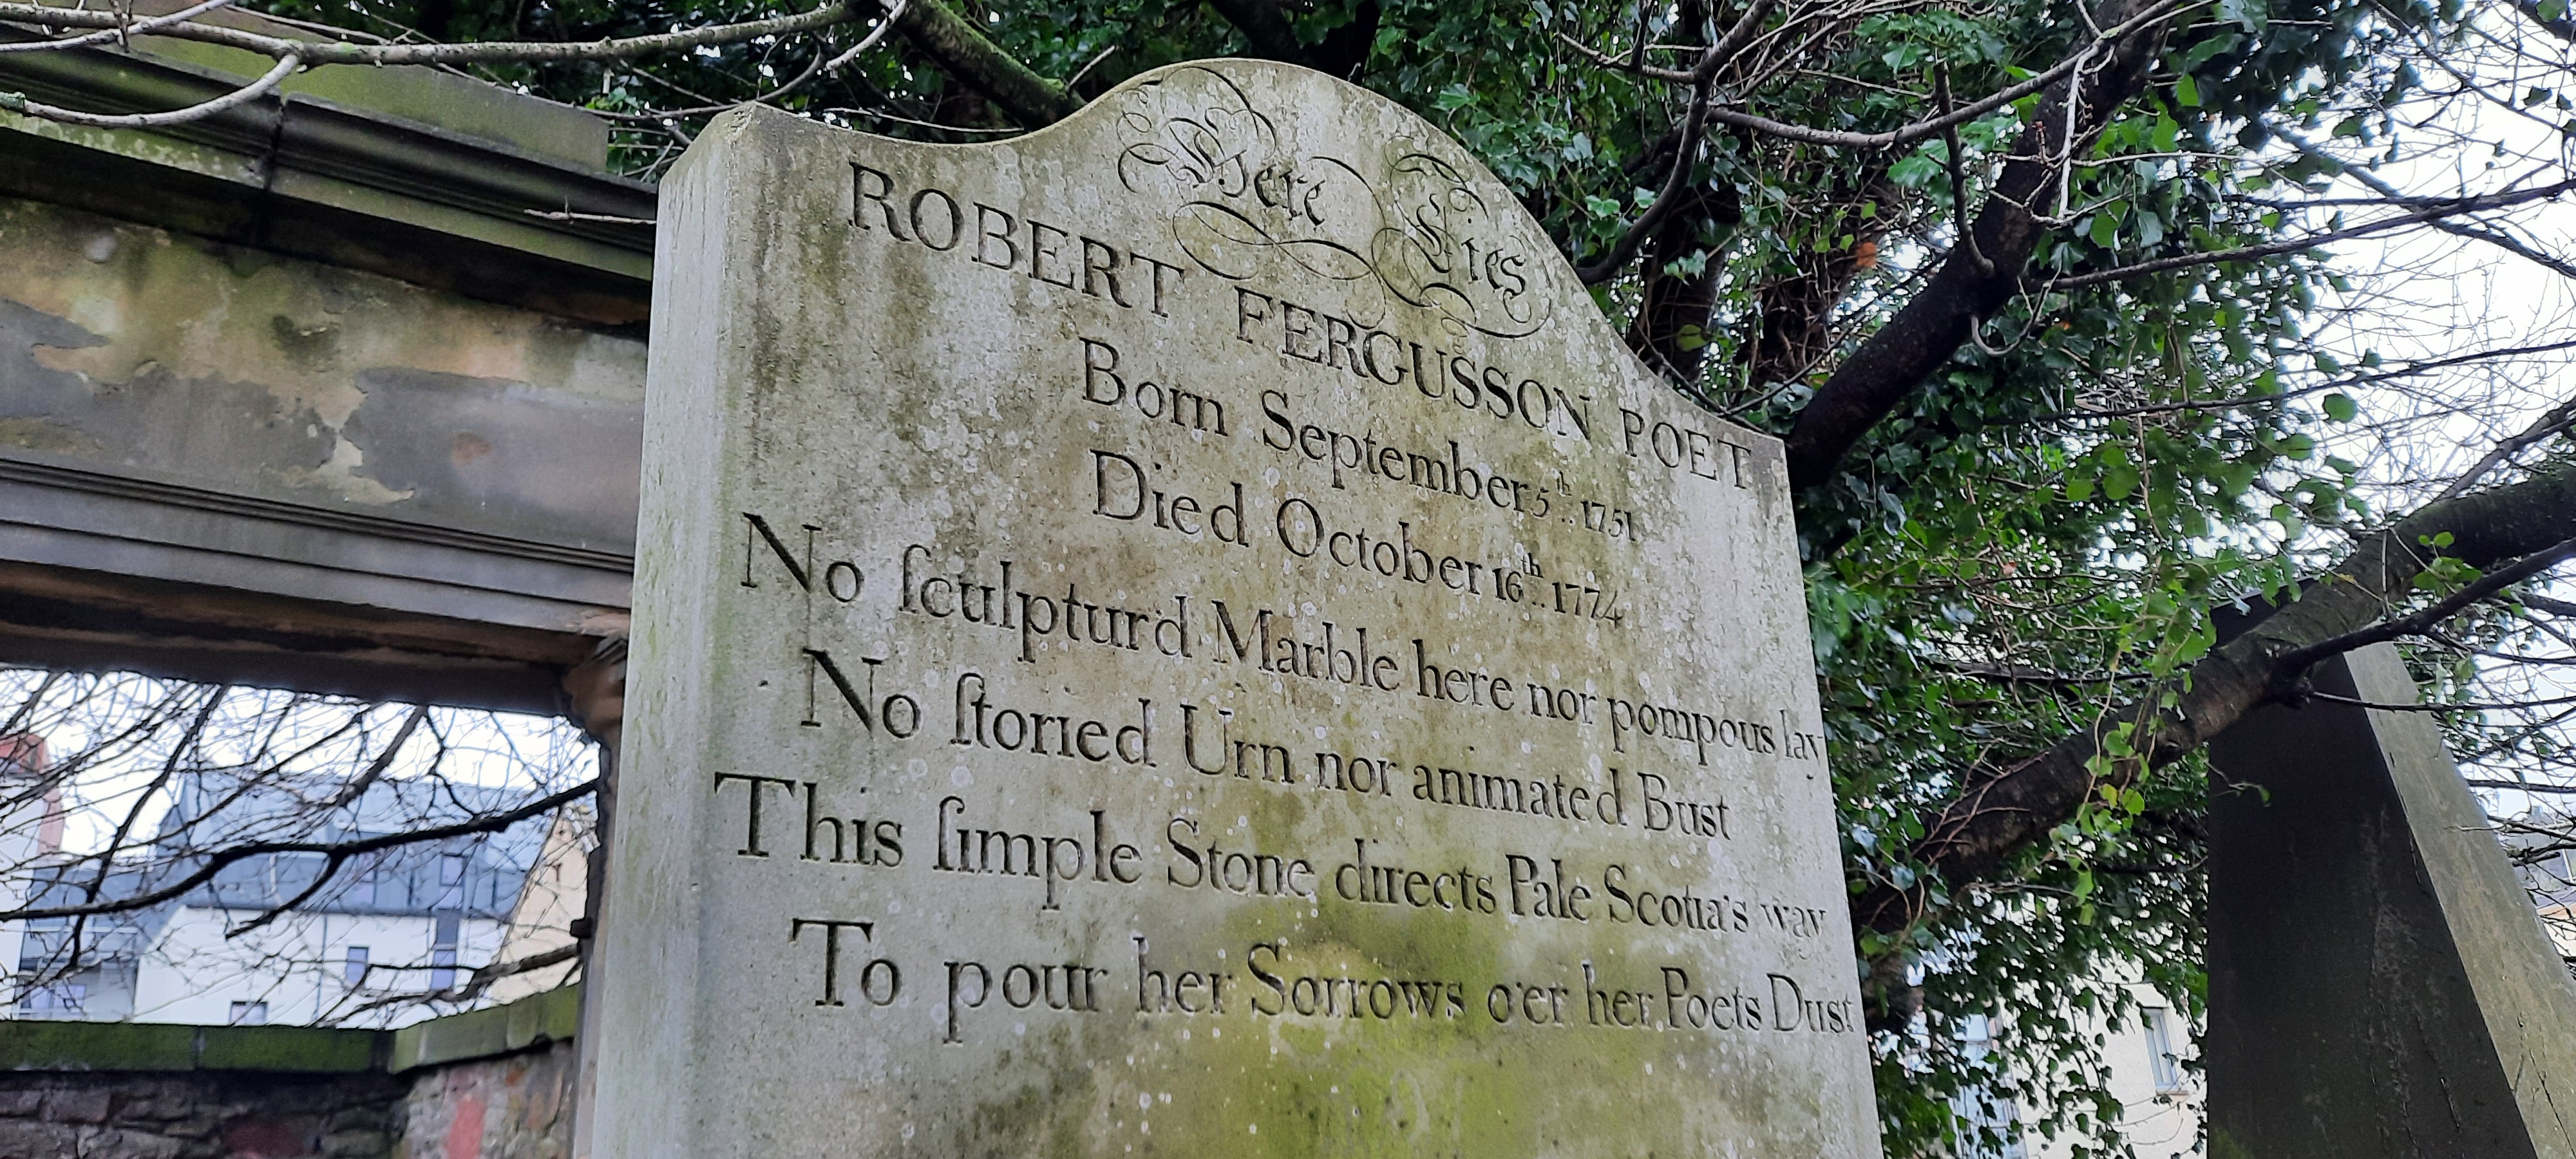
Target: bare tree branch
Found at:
2555, 421
2553, 607
474, 985
2517, 786
1913, 132
375, 769
285, 67
2426, 215
2290, 668
117, 35
340, 851
2409, 370
318, 53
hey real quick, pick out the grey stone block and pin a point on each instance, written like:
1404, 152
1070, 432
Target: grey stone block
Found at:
2380, 985
24, 1139
78, 1105
118, 1143
355, 1144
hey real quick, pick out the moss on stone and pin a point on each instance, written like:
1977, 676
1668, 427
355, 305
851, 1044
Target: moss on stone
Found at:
29, 1044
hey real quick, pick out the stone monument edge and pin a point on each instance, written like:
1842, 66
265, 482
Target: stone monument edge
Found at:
651, 920
1771, 447
2470, 875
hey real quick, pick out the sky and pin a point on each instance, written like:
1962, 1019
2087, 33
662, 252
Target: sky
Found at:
2425, 294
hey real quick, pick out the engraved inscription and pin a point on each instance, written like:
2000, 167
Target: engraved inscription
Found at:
1187, 627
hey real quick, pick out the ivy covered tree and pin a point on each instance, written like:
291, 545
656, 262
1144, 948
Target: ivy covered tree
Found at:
2078, 319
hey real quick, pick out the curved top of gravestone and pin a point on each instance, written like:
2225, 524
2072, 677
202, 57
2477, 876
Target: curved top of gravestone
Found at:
1274, 169
1267, 162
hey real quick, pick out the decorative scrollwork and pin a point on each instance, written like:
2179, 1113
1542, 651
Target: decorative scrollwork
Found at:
1422, 236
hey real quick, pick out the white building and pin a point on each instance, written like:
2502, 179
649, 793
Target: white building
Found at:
2147, 1060
362, 949
2161, 1095
556, 893
23, 837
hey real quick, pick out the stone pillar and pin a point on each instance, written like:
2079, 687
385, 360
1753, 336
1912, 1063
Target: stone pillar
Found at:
595, 698
2379, 984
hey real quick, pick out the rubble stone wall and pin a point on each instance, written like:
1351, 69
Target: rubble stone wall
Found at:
200, 1115
489, 1084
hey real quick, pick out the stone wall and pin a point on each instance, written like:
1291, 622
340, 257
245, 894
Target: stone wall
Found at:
220, 1115
490, 1084
514, 1107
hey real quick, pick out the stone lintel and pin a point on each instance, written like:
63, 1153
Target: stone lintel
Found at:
321, 174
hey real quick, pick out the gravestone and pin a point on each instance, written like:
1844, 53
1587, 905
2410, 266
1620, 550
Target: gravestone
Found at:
1187, 633
2379, 984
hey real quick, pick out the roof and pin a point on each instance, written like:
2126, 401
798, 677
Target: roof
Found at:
472, 875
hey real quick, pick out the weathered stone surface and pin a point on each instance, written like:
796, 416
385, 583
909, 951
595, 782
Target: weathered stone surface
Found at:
1186, 633
509, 1107
129, 350
110, 1114
77, 1106
2378, 983
223, 464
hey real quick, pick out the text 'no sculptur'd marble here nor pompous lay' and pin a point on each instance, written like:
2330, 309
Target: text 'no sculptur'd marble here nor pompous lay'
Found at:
1187, 633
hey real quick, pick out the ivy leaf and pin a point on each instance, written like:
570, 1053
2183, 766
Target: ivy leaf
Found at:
2291, 525
1914, 172
2105, 228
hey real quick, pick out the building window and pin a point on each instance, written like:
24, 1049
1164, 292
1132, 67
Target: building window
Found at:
1993, 1124
355, 969
57, 998
248, 1014
442, 952
451, 881
2161, 1061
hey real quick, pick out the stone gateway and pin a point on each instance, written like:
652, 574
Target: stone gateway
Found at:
1187, 633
